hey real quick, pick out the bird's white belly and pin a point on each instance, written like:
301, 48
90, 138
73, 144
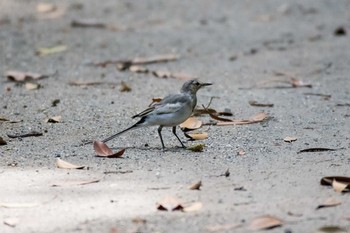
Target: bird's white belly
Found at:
169, 119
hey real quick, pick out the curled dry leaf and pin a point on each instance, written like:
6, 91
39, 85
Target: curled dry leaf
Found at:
155, 100
85, 23
195, 186
332, 229
226, 112
340, 186
75, 182
259, 117
256, 104
193, 207
65, 165
196, 148
19, 76
2, 142
55, 119
85, 83
289, 139
197, 136
162, 73
32, 86
102, 150
124, 87
51, 50
30, 134
265, 222
330, 202
169, 204
316, 149
191, 124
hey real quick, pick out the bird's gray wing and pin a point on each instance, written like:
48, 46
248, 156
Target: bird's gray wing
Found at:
169, 104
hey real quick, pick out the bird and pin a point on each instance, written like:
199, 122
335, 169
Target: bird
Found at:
171, 111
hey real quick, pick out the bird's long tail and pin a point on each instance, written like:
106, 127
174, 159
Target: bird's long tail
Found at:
117, 134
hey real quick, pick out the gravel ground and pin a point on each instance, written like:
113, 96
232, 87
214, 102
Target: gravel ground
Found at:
244, 47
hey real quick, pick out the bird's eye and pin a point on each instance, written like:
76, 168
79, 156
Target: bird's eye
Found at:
196, 83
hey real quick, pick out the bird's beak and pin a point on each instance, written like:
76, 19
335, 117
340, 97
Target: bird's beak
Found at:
206, 84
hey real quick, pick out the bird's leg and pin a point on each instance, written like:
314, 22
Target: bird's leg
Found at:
174, 132
160, 135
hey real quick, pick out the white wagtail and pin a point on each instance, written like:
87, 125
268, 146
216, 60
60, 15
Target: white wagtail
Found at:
170, 111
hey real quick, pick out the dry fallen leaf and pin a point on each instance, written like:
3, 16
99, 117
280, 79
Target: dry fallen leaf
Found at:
332, 229
195, 186
223, 227
193, 207
340, 186
162, 73
241, 152
259, 117
256, 104
75, 182
85, 23
197, 136
124, 87
102, 150
45, 7
51, 50
19, 76
65, 165
55, 119
191, 124
330, 202
316, 149
2, 142
289, 139
30, 134
169, 204
265, 222
32, 86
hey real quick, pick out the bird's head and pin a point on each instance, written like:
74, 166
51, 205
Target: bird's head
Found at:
192, 86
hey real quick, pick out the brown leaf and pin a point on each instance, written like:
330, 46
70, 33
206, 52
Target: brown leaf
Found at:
155, 100
124, 87
193, 207
102, 150
328, 180
316, 149
332, 229
197, 136
289, 139
49, 11
65, 165
265, 222
226, 112
2, 142
19, 76
256, 104
169, 204
32, 86
222, 227
55, 119
340, 186
139, 220
191, 124
85, 23
325, 97
75, 182
259, 117
195, 186
330, 202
